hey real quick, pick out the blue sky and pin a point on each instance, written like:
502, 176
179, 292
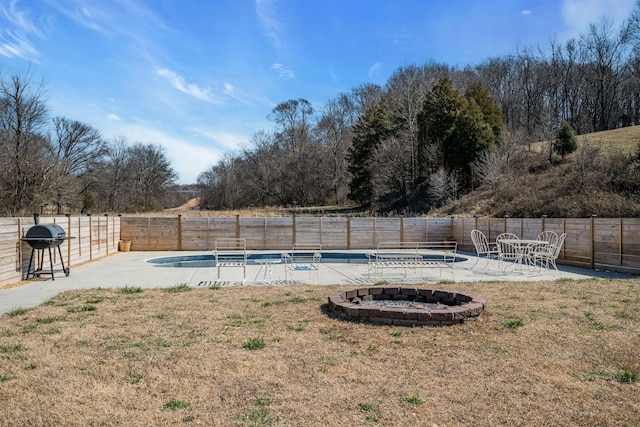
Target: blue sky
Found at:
200, 77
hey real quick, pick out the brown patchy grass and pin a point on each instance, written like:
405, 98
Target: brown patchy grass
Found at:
562, 353
623, 140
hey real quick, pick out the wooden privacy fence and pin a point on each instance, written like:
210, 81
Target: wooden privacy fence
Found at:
596, 243
199, 234
94, 237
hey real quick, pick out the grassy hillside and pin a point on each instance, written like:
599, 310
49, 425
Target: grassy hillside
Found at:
623, 140
598, 178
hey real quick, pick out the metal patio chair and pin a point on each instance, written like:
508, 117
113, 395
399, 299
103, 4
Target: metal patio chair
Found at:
483, 247
547, 257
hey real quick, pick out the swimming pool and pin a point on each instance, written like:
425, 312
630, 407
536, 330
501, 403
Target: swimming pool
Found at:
208, 260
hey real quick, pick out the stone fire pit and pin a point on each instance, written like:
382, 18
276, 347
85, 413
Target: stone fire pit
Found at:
406, 306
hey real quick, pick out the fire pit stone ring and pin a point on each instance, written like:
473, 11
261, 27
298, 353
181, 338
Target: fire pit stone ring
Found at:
402, 306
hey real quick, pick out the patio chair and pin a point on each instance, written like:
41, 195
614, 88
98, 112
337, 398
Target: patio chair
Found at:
303, 257
483, 247
547, 257
548, 239
509, 250
548, 236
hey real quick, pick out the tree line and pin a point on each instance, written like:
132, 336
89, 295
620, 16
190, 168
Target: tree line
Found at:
432, 131
60, 165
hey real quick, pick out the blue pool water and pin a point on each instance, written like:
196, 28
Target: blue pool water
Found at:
208, 260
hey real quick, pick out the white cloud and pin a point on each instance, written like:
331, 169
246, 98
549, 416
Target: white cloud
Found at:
112, 116
283, 72
267, 15
374, 70
15, 44
578, 14
16, 29
227, 140
526, 12
180, 83
236, 94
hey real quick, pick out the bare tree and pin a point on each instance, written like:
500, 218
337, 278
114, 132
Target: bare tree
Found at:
152, 174
606, 57
443, 187
334, 131
301, 174
79, 150
25, 156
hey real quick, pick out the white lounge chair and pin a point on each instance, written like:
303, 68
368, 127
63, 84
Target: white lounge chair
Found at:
231, 252
303, 257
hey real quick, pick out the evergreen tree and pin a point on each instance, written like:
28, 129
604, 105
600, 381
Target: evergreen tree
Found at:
490, 111
368, 132
471, 136
565, 142
458, 125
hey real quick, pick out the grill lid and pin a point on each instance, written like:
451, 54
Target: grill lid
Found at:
45, 232
42, 236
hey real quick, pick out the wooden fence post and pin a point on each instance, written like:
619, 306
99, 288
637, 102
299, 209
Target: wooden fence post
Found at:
592, 226
106, 234
68, 241
620, 247
293, 229
90, 238
264, 233
426, 229
348, 232
180, 232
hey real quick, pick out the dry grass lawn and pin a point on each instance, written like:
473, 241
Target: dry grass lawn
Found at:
563, 353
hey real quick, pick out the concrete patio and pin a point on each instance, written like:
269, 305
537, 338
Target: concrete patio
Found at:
132, 269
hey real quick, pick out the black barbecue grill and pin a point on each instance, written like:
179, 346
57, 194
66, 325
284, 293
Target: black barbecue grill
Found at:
41, 237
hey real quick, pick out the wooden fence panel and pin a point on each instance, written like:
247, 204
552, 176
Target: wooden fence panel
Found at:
578, 242
630, 244
334, 232
223, 228
10, 251
163, 234
279, 233
386, 230
308, 230
363, 233
195, 234
554, 224
414, 229
254, 230
439, 230
606, 240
